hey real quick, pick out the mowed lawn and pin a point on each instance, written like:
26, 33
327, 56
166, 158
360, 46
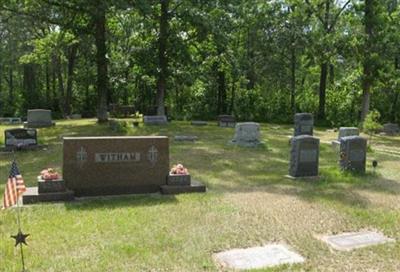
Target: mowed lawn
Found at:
248, 203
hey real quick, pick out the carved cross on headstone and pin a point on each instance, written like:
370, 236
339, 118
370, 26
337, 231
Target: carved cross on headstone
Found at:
152, 155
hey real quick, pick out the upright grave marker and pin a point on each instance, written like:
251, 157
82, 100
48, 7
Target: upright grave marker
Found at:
39, 118
247, 134
391, 129
345, 132
353, 153
304, 156
303, 124
226, 121
115, 165
155, 120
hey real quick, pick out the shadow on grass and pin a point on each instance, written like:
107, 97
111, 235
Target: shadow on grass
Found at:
119, 201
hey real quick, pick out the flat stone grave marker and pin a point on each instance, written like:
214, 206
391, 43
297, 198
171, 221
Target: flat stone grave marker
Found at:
304, 156
155, 120
185, 138
115, 165
199, 123
247, 134
353, 153
226, 121
257, 257
353, 240
345, 132
39, 118
303, 124
391, 129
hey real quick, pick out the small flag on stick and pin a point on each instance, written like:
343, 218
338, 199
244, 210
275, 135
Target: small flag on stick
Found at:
15, 187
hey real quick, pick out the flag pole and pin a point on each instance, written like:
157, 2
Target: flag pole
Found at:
19, 225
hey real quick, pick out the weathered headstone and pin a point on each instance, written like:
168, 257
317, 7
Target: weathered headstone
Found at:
353, 240
391, 129
304, 156
39, 118
20, 138
247, 134
345, 132
155, 120
226, 121
303, 124
10, 120
76, 116
353, 153
115, 165
257, 257
199, 123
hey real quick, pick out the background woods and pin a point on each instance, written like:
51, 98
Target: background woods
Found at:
259, 60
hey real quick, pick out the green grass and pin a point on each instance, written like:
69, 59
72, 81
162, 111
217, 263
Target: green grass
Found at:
248, 203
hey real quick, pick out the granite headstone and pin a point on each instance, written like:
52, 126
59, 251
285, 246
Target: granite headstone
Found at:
353, 153
115, 165
247, 134
39, 118
226, 121
304, 156
20, 137
303, 124
345, 132
391, 129
155, 120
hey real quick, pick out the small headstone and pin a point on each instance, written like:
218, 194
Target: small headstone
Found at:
354, 240
10, 120
20, 138
39, 118
226, 121
304, 156
199, 123
185, 138
155, 120
247, 134
345, 132
76, 116
353, 153
257, 257
391, 129
115, 165
303, 124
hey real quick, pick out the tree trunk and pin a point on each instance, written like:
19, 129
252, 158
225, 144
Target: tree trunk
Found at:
233, 91
251, 76
48, 99
71, 64
101, 61
60, 80
367, 65
221, 92
162, 58
293, 80
11, 88
322, 91
29, 83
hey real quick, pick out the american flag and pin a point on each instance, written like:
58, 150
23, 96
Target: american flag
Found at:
15, 187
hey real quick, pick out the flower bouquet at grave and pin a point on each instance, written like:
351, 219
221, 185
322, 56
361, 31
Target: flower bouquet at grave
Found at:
178, 170
49, 174
178, 175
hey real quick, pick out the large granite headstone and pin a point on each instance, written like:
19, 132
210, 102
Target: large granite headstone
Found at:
304, 156
247, 134
155, 120
39, 118
391, 129
303, 124
353, 153
345, 132
115, 165
226, 121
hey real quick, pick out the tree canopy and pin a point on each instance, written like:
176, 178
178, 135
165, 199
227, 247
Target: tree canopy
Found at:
195, 59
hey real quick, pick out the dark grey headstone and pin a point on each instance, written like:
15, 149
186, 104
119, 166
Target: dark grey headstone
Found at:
20, 137
353, 153
304, 156
391, 129
303, 124
155, 120
226, 121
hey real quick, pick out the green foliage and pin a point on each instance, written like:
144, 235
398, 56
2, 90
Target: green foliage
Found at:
371, 123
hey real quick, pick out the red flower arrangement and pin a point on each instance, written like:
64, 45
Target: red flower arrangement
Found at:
49, 174
179, 170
